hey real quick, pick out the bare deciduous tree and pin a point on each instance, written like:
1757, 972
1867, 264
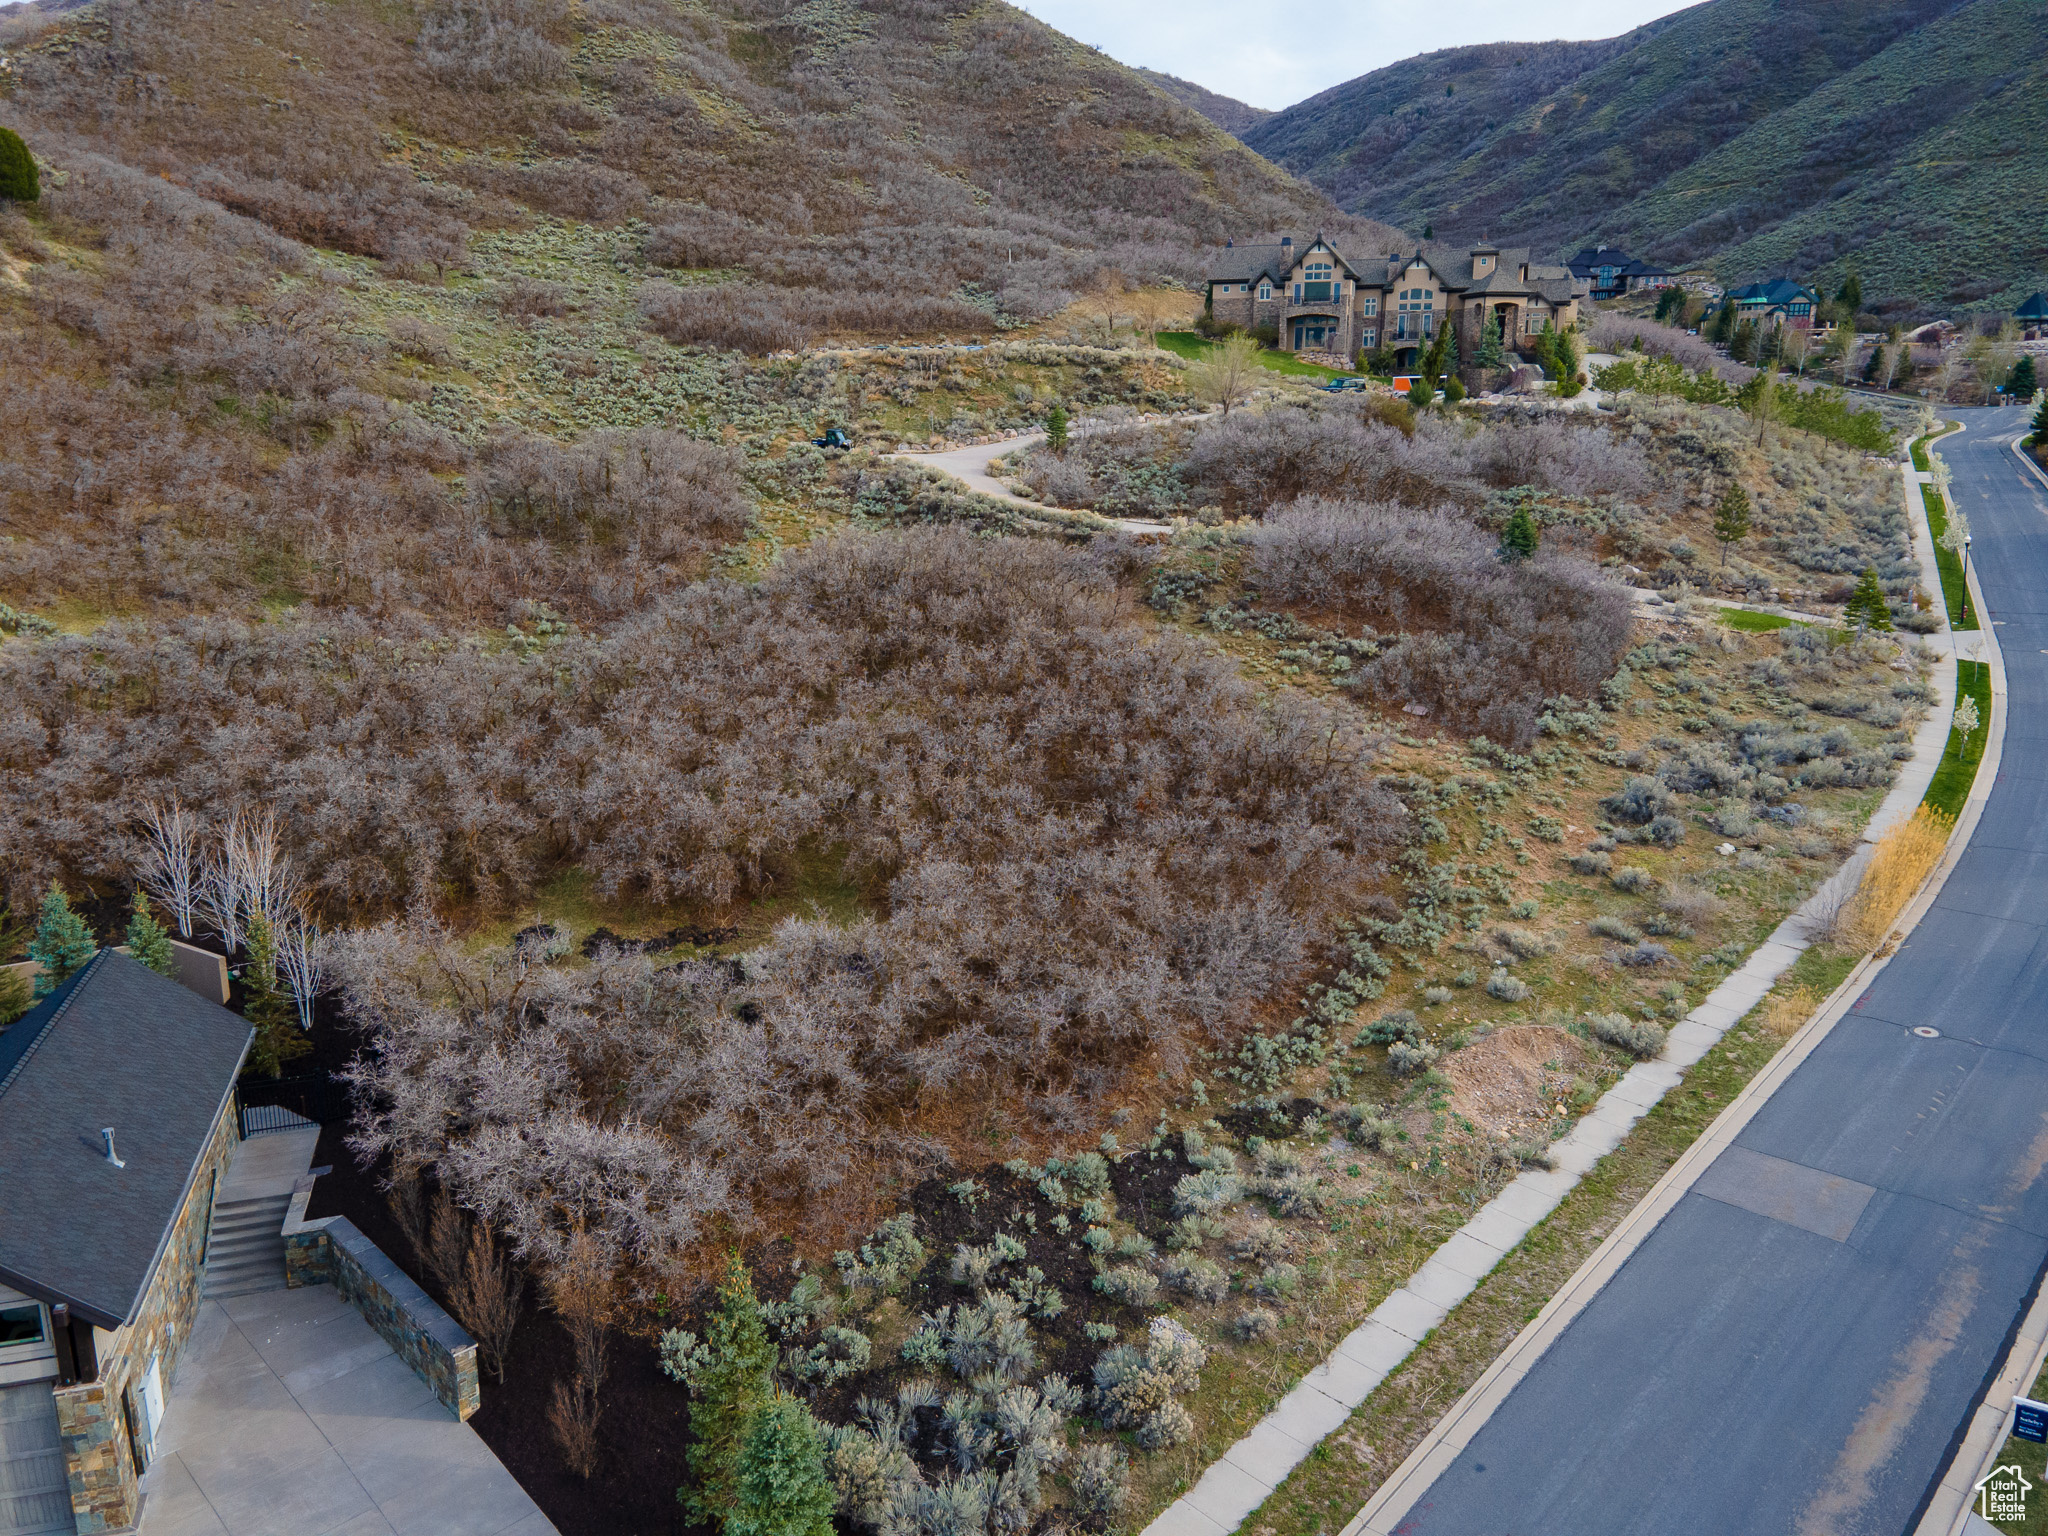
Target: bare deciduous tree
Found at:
172, 867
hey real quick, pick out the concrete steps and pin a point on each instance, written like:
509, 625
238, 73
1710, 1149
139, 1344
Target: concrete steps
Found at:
244, 1252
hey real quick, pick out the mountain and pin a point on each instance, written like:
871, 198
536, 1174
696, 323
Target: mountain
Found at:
1230, 115
934, 157
1751, 137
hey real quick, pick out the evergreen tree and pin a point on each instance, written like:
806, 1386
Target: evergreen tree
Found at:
1722, 326
781, 1488
1545, 348
1873, 364
1492, 348
726, 1391
2041, 425
1056, 429
1670, 299
1866, 608
1421, 392
266, 1005
18, 179
1518, 540
1429, 230
1731, 520
1850, 297
2022, 381
1566, 351
62, 945
147, 940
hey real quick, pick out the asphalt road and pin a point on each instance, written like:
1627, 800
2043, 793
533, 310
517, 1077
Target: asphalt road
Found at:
1809, 1370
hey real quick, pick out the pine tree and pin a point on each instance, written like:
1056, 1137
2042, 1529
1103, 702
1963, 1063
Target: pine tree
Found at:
147, 940
782, 1489
1056, 429
1867, 608
1722, 326
2022, 381
62, 945
1545, 347
726, 1391
1492, 348
265, 1005
1518, 540
1566, 351
2041, 425
1666, 301
1421, 392
18, 179
1731, 520
1850, 297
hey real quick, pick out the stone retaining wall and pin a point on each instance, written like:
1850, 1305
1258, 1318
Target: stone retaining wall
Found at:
334, 1251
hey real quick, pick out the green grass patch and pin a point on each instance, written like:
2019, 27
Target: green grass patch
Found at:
1958, 769
1954, 591
1191, 345
1755, 623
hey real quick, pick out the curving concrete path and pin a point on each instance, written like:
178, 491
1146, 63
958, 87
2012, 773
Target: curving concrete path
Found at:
1800, 1336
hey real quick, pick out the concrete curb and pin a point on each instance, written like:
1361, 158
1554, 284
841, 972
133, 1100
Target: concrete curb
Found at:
1382, 1513
1234, 1486
1948, 1511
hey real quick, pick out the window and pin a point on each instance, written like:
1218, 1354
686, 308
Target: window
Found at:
1370, 305
1265, 290
1370, 336
22, 1325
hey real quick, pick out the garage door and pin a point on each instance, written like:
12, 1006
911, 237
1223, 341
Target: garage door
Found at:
35, 1499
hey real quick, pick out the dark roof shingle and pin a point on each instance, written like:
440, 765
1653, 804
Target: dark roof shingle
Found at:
117, 1045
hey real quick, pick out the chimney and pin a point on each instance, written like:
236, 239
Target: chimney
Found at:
1287, 239
107, 1135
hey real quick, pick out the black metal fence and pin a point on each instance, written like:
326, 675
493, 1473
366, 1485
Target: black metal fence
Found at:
318, 1098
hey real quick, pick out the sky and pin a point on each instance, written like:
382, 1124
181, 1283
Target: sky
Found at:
1274, 56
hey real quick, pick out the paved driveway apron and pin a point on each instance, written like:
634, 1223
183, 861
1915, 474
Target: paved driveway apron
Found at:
1796, 1345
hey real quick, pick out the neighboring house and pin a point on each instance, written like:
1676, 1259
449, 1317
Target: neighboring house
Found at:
117, 1120
2033, 314
1318, 300
1777, 302
1611, 272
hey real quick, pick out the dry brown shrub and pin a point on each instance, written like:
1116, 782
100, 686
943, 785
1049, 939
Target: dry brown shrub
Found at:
582, 1289
1904, 858
489, 1297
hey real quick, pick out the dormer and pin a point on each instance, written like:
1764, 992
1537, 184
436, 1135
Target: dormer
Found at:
1484, 259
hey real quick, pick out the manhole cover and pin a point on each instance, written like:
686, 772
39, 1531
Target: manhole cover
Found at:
1927, 1033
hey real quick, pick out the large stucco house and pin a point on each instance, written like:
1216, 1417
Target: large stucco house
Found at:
1780, 301
1319, 300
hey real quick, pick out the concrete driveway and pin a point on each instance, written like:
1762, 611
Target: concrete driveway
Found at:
1795, 1347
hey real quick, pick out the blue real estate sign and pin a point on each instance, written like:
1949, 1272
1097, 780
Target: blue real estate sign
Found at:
2029, 1420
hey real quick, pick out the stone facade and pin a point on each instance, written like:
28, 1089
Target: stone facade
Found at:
334, 1251
1316, 300
101, 1420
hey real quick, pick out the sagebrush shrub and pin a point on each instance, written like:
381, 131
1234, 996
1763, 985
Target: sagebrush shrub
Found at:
1640, 1039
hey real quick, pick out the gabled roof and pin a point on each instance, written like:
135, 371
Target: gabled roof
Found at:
1451, 265
2035, 308
1778, 290
1246, 263
117, 1045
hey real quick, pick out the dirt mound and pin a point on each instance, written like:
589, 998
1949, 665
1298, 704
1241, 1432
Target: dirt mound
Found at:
1506, 1083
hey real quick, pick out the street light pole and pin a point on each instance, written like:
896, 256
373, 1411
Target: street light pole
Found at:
1966, 576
